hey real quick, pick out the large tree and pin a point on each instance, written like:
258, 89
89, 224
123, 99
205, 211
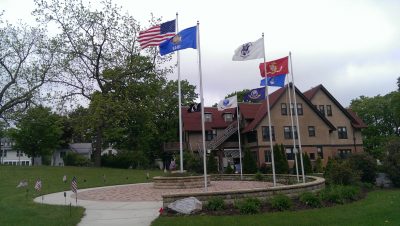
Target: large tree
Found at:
92, 41
38, 132
26, 64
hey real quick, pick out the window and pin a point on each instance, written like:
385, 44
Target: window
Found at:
283, 109
208, 117
251, 136
265, 133
299, 109
267, 155
322, 109
210, 134
228, 117
311, 131
289, 153
344, 153
320, 152
328, 110
287, 132
342, 132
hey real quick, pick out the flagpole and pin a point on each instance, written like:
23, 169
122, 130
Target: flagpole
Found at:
293, 135
179, 102
202, 106
269, 117
297, 119
240, 145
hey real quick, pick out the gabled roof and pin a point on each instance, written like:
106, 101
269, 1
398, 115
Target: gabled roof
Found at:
81, 148
192, 121
355, 120
273, 98
249, 110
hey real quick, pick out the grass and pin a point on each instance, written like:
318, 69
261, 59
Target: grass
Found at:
17, 206
381, 207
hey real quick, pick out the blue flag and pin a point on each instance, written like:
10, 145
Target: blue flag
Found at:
183, 40
278, 80
255, 95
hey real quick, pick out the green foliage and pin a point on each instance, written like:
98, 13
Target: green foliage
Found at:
248, 206
240, 94
392, 161
229, 169
340, 172
212, 166
366, 165
281, 202
258, 176
340, 194
306, 163
249, 163
310, 199
318, 166
191, 163
215, 203
38, 132
281, 163
75, 159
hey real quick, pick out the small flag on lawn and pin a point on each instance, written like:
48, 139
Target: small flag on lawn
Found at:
22, 183
64, 178
74, 185
38, 185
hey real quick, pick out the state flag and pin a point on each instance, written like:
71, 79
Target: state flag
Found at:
230, 102
275, 67
157, 34
249, 51
278, 80
183, 40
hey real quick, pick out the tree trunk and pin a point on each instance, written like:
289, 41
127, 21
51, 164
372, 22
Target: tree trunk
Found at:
33, 160
97, 146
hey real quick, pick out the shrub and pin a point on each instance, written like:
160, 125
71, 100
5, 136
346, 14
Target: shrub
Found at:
248, 206
249, 163
258, 176
281, 202
215, 204
265, 168
318, 166
350, 192
332, 194
281, 163
366, 165
212, 166
339, 172
392, 161
75, 159
310, 199
229, 169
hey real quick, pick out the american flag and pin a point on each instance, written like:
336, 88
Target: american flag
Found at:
38, 185
157, 34
74, 185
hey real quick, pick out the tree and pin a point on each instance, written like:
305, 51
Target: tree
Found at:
212, 166
249, 163
398, 84
366, 165
392, 161
281, 163
93, 41
38, 132
26, 64
306, 164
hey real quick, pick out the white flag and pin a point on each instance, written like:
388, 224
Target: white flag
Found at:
230, 102
249, 51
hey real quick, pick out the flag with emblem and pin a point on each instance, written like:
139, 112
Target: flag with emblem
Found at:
230, 102
195, 107
255, 95
38, 185
74, 185
157, 34
249, 51
275, 67
183, 40
278, 80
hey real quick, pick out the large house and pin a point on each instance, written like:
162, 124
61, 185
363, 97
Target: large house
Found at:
326, 128
10, 156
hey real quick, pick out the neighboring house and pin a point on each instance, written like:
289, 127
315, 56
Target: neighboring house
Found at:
9, 156
109, 151
326, 128
84, 149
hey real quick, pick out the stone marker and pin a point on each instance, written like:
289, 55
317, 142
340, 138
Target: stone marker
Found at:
186, 205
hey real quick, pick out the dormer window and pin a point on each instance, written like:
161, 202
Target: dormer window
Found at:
207, 117
228, 117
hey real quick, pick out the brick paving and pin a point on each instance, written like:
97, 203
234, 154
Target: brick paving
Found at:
146, 192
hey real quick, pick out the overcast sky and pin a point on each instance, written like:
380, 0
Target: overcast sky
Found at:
351, 47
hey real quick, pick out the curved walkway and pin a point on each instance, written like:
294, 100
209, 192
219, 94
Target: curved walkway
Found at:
133, 204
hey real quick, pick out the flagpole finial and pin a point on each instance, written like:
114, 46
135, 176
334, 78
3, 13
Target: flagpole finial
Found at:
198, 22
262, 35
290, 53
177, 13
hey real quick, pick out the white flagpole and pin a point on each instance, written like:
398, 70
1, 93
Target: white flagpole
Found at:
240, 145
293, 135
297, 119
269, 118
179, 103
202, 107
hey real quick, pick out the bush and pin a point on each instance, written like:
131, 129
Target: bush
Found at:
248, 206
350, 193
310, 199
318, 166
229, 169
281, 202
339, 172
366, 165
281, 163
212, 166
249, 163
215, 204
75, 159
258, 176
340, 194
392, 161
265, 169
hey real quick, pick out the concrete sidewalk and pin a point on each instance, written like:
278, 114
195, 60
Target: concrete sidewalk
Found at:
101, 213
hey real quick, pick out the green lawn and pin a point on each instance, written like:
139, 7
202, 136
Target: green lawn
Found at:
17, 206
381, 207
